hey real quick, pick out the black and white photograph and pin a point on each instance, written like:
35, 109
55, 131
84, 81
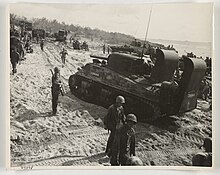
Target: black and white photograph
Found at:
102, 85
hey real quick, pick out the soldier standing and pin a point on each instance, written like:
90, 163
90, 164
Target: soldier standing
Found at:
55, 89
37, 37
124, 145
15, 57
204, 158
108, 49
114, 120
70, 39
42, 45
205, 89
134, 161
104, 49
63, 55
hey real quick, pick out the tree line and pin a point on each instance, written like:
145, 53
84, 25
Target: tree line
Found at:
54, 26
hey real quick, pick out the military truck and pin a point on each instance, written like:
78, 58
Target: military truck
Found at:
40, 32
149, 94
61, 35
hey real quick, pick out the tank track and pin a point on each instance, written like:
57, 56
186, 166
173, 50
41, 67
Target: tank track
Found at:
155, 108
189, 137
85, 133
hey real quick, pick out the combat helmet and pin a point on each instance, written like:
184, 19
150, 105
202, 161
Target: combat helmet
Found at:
134, 161
199, 159
120, 99
131, 117
56, 70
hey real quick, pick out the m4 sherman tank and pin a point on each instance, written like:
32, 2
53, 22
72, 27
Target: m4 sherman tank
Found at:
150, 92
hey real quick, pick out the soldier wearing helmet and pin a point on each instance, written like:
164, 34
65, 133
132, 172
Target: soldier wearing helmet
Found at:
42, 44
63, 54
134, 161
55, 89
204, 158
124, 146
114, 120
15, 57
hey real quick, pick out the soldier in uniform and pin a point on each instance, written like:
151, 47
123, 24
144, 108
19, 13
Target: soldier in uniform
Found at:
63, 54
204, 158
15, 57
55, 89
71, 39
124, 144
108, 49
37, 37
134, 161
114, 119
103, 49
42, 45
205, 89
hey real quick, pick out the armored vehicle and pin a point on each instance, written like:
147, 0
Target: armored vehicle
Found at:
40, 32
27, 26
149, 92
140, 48
61, 35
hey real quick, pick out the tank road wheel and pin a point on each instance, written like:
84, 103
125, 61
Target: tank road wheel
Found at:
90, 91
73, 84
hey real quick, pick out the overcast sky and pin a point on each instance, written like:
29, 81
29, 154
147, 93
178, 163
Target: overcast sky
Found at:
188, 21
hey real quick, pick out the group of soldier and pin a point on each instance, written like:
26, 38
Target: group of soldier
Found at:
121, 142
16, 48
19, 45
104, 47
24, 43
78, 46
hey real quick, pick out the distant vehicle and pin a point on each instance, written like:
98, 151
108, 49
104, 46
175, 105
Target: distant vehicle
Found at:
139, 48
28, 26
40, 32
61, 35
48, 34
77, 45
25, 27
15, 42
85, 46
150, 92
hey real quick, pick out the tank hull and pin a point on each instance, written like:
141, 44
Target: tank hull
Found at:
149, 97
105, 95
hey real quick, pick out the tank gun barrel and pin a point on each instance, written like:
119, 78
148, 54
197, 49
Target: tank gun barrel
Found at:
99, 57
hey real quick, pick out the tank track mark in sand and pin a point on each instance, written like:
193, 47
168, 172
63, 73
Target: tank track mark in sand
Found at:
193, 138
163, 155
181, 137
82, 133
89, 132
68, 160
144, 155
58, 58
53, 161
47, 56
99, 134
